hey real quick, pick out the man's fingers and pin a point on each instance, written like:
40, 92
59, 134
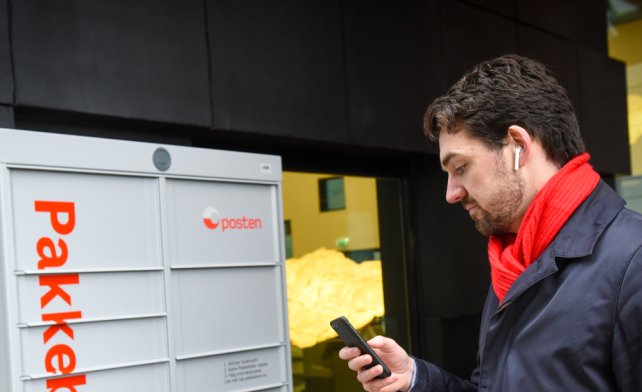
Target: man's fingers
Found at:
357, 364
366, 375
378, 341
348, 353
388, 384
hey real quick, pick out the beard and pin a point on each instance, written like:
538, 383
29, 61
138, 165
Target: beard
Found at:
499, 213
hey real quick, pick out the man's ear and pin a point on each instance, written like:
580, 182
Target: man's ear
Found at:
519, 141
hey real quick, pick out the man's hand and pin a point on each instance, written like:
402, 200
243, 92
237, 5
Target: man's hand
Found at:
400, 364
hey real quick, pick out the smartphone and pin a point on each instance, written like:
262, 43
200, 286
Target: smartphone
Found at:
352, 339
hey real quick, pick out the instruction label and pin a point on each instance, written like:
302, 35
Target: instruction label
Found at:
236, 371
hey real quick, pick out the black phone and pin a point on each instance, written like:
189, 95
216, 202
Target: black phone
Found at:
352, 338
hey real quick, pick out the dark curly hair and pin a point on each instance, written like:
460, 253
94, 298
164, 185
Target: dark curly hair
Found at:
505, 91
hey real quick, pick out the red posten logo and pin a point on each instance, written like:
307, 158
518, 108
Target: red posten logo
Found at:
60, 359
212, 220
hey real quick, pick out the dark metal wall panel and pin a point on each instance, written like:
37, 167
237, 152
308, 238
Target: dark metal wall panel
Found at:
603, 115
277, 68
558, 54
143, 59
582, 21
452, 279
591, 24
391, 210
391, 47
450, 272
504, 7
6, 76
472, 35
451, 343
554, 16
6, 117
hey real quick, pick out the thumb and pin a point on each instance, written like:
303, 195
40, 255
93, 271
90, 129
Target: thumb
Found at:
382, 343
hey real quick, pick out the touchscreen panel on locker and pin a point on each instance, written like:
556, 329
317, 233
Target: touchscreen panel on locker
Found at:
221, 222
227, 308
105, 222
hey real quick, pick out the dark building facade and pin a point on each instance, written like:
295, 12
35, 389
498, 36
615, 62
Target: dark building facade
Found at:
328, 85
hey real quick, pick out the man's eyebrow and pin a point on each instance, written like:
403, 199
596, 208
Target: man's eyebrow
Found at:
447, 158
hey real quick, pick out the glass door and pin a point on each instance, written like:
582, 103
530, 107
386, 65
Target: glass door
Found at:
336, 266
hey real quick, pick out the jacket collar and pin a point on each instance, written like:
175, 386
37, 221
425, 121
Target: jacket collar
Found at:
577, 237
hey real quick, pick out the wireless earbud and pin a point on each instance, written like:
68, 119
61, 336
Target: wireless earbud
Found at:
518, 150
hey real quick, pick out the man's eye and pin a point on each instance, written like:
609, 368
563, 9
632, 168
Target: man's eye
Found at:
460, 169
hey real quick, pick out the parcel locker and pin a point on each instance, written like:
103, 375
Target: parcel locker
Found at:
139, 267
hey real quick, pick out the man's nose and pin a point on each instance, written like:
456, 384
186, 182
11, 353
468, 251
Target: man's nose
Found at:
455, 192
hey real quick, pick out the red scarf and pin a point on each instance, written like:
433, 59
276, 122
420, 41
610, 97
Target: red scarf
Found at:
509, 255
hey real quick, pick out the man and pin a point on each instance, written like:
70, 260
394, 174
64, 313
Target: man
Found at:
564, 312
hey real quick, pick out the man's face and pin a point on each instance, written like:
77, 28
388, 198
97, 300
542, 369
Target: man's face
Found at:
483, 181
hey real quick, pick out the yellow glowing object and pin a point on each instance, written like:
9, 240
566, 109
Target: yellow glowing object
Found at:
323, 285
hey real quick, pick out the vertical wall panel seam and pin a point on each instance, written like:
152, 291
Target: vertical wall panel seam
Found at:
580, 94
344, 63
518, 23
14, 87
442, 41
208, 50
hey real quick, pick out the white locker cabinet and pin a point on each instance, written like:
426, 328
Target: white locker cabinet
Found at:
138, 267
